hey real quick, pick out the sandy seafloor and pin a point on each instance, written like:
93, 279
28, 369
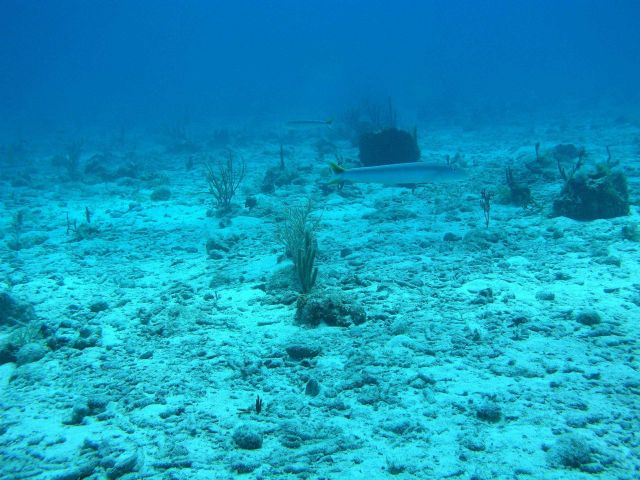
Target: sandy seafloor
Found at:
150, 352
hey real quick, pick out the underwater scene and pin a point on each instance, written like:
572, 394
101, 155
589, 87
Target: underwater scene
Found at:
319, 240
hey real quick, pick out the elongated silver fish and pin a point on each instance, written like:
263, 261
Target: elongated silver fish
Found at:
398, 173
308, 123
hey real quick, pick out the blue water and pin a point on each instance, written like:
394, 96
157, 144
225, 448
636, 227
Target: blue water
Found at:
189, 288
90, 62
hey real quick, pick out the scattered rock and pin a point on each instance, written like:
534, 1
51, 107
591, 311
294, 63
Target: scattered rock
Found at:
588, 317
243, 467
14, 312
79, 412
29, 353
572, 451
484, 297
161, 194
127, 462
481, 238
545, 296
474, 442
85, 470
247, 437
451, 237
489, 412
216, 249
345, 252
331, 308
276, 177
631, 232
301, 352
312, 388
99, 306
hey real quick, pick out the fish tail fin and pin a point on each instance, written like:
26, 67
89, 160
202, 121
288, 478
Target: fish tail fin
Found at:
336, 170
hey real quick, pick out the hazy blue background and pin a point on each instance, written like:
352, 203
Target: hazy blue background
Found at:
96, 62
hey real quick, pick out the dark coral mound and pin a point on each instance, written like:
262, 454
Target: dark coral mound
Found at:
567, 152
387, 147
603, 194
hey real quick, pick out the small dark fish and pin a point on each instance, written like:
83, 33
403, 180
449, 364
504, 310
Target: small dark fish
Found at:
309, 123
